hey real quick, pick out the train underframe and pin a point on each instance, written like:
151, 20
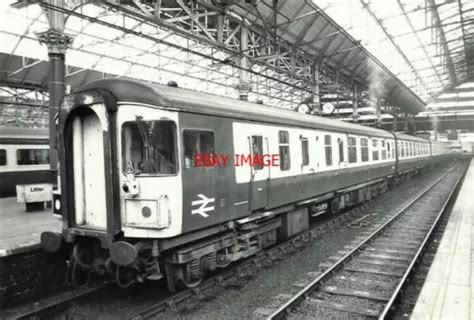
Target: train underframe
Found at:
135, 260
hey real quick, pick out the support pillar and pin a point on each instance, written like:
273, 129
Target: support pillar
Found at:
57, 43
414, 125
316, 101
406, 123
355, 103
244, 86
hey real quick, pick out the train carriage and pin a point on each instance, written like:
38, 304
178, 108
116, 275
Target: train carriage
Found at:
24, 158
135, 196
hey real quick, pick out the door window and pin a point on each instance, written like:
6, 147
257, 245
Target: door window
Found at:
197, 142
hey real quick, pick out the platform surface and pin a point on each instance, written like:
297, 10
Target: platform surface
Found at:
448, 292
20, 230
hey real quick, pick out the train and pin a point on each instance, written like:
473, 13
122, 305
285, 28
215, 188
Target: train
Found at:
139, 202
24, 158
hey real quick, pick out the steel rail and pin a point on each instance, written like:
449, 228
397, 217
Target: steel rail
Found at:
52, 308
281, 312
396, 294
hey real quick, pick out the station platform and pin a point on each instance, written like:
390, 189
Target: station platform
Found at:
20, 230
448, 291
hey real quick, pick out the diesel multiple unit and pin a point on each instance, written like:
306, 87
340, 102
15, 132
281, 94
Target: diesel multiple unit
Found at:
136, 205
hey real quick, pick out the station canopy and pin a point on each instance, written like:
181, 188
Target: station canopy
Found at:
404, 51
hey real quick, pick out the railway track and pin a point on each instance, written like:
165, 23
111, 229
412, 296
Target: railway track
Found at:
231, 277
49, 310
368, 280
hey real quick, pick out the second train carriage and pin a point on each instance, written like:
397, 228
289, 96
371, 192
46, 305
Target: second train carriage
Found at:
24, 158
134, 202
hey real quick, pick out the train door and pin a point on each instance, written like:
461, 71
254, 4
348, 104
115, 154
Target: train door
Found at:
259, 186
89, 169
199, 175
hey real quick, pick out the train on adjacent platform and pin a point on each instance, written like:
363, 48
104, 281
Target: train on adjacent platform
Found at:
24, 158
135, 204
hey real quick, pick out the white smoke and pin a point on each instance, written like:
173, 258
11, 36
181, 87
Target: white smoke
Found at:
377, 88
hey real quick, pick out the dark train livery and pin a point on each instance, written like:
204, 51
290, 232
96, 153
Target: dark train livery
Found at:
134, 203
24, 158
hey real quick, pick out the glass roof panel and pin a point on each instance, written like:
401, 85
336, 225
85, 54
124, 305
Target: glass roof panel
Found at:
410, 25
415, 53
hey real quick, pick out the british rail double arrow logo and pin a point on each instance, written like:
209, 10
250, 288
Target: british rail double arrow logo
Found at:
202, 203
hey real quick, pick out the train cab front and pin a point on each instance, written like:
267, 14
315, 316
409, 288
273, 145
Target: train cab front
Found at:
120, 187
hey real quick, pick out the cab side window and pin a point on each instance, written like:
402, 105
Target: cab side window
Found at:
197, 142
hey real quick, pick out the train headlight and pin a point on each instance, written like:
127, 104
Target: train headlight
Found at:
56, 202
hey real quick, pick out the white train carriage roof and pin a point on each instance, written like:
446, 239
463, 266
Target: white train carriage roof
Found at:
179, 99
403, 136
24, 133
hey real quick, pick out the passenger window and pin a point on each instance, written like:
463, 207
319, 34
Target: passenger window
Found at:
341, 149
352, 149
257, 150
149, 147
197, 142
364, 145
284, 150
3, 157
304, 151
403, 149
328, 148
384, 150
375, 150
32, 156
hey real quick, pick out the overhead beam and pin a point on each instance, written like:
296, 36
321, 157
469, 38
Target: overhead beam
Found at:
439, 26
422, 45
